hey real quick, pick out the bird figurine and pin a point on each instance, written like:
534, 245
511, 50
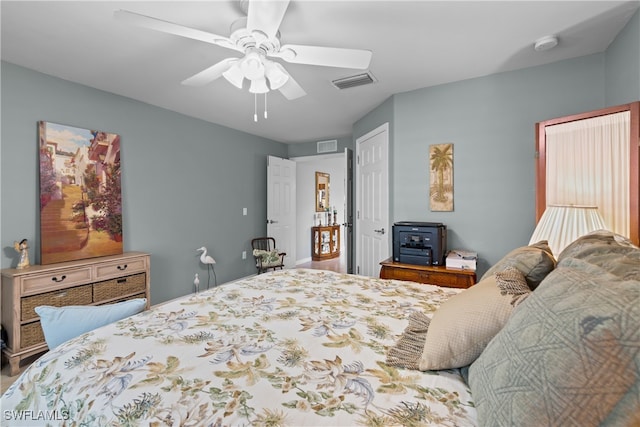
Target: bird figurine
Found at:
204, 258
209, 262
196, 282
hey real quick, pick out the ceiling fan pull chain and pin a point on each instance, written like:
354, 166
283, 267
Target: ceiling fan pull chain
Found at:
265, 105
255, 107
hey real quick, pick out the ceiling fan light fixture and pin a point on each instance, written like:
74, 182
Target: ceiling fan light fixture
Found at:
276, 74
252, 66
259, 86
234, 75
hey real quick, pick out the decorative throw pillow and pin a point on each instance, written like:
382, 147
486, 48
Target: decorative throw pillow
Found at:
570, 353
602, 249
534, 261
408, 350
60, 324
268, 258
512, 282
463, 325
595, 241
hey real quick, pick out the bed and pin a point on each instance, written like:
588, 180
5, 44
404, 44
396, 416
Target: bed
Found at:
292, 347
539, 340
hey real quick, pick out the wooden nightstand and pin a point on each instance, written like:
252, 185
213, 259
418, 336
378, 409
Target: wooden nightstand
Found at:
434, 275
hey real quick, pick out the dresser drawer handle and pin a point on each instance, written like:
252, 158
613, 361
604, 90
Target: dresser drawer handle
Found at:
60, 295
121, 281
55, 279
122, 268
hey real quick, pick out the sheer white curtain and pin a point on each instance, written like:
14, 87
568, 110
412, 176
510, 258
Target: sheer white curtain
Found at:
588, 164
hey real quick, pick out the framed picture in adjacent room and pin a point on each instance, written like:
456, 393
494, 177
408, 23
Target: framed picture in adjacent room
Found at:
441, 177
80, 193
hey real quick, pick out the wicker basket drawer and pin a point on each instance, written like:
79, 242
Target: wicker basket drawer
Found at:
120, 268
31, 334
140, 295
114, 288
79, 295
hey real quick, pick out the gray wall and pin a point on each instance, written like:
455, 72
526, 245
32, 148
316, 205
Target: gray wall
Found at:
622, 70
175, 179
490, 121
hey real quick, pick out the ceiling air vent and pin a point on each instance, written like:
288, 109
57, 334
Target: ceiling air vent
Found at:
328, 146
353, 81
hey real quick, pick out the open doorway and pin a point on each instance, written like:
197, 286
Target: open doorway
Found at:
308, 216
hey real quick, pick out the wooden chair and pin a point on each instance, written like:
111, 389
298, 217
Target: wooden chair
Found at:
266, 255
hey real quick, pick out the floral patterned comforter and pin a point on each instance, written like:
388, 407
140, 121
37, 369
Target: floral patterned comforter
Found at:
292, 347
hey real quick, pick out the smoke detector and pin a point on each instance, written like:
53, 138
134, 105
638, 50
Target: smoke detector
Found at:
545, 43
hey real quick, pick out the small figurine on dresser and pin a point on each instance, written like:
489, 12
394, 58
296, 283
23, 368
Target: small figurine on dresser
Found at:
23, 249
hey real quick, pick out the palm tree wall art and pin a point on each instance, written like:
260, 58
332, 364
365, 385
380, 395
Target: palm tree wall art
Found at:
441, 177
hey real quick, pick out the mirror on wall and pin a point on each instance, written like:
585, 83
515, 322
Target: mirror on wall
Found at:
322, 191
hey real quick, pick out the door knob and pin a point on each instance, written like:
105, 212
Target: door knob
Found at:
381, 231
270, 221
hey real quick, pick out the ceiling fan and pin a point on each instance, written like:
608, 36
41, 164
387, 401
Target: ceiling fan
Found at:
257, 38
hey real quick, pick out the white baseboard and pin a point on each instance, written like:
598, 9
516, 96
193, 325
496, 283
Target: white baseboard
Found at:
303, 261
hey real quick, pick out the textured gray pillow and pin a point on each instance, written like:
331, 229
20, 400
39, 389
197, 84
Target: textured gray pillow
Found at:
569, 354
600, 241
534, 261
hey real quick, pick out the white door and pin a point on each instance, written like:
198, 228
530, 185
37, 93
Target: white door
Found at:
281, 206
372, 206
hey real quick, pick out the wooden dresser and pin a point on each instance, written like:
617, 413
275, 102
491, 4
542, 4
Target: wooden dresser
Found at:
434, 275
93, 281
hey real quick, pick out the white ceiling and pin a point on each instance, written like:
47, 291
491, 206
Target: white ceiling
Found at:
415, 44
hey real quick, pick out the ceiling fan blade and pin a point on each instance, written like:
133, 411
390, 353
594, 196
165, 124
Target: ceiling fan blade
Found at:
210, 74
172, 28
266, 15
291, 89
326, 56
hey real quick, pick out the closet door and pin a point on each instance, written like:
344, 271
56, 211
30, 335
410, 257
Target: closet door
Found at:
546, 187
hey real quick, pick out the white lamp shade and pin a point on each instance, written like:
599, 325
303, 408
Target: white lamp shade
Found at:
259, 86
276, 74
234, 75
252, 66
562, 224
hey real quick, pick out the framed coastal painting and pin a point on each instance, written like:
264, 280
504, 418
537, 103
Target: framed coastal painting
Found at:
80, 193
441, 177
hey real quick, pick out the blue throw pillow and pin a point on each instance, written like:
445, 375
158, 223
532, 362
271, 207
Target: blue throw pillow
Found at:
60, 324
